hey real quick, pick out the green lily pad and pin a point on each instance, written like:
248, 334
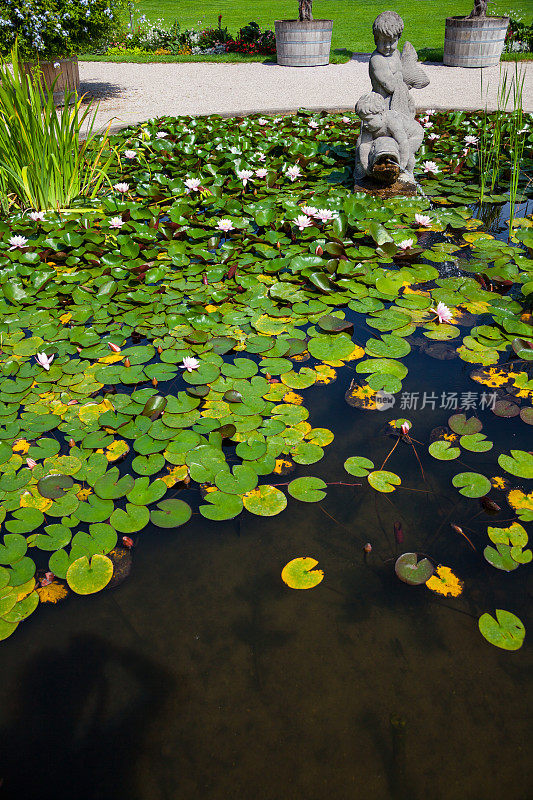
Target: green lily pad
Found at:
86, 576
22, 609
359, 466
471, 484
507, 631
265, 501
475, 442
54, 486
443, 450
308, 490
221, 506
143, 492
519, 463
111, 486
463, 426
412, 571
331, 348
132, 520
13, 548
243, 479
170, 514
383, 481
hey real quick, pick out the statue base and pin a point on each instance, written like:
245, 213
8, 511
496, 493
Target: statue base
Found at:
402, 186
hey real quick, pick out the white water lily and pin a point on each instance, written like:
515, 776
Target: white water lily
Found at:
193, 184
189, 363
406, 244
225, 225
37, 216
313, 123
433, 136
31, 463
423, 219
244, 175
311, 211
345, 119
122, 188
430, 112
17, 241
116, 222
470, 140
44, 361
428, 125
443, 313
161, 135
302, 222
294, 172
130, 154
260, 156
262, 121
324, 214
406, 427
261, 173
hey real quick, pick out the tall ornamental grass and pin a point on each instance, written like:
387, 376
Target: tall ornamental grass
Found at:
43, 163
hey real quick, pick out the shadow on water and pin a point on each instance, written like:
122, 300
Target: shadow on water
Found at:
79, 718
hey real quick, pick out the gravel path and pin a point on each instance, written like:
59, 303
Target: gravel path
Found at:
135, 92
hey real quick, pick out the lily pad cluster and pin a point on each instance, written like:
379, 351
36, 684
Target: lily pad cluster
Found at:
154, 342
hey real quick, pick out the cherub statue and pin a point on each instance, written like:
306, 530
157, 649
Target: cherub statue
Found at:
387, 140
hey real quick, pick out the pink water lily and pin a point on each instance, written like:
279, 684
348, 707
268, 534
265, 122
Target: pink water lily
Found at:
116, 222
44, 361
114, 347
311, 211
324, 214
17, 241
48, 578
423, 219
244, 175
189, 363
31, 463
406, 427
193, 185
130, 154
430, 167
294, 172
122, 188
442, 312
346, 120
406, 244
302, 222
225, 225
261, 173
37, 216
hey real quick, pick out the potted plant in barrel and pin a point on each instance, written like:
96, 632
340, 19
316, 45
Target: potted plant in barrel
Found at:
476, 40
51, 33
303, 42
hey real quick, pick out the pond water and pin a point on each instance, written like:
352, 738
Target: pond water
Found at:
205, 676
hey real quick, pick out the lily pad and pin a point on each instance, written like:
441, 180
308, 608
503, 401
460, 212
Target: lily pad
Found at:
358, 466
86, 576
471, 484
413, 571
300, 573
170, 514
383, 481
507, 631
308, 490
265, 501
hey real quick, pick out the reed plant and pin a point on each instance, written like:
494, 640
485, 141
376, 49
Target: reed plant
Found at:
44, 162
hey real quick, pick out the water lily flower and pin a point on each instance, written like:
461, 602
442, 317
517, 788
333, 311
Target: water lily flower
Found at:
309, 210
122, 188
244, 175
442, 312
261, 173
225, 225
56, 64
303, 222
114, 347
44, 361
433, 136
31, 463
189, 363
294, 172
422, 120
127, 541
423, 219
313, 123
260, 156
471, 139
406, 244
130, 154
161, 135
430, 167
17, 241
430, 112
406, 426
428, 125
193, 184
37, 216
262, 121
324, 214
345, 119
48, 578
116, 222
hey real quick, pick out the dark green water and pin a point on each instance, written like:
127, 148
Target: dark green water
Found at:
203, 677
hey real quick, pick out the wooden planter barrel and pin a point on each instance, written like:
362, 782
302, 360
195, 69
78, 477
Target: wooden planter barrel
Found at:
474, 42
303, 44
67, 73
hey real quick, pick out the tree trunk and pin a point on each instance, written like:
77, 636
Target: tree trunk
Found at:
305, 10
479, 10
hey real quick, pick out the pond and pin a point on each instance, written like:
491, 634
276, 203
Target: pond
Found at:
203, 674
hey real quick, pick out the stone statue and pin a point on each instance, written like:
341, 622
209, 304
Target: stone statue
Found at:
390, 135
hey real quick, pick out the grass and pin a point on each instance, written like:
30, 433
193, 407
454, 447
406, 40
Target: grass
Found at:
352, 19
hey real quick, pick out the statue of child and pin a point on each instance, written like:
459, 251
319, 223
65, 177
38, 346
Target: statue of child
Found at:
385, 68
380, 122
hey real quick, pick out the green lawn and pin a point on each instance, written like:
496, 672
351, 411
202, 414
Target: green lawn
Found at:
352, 19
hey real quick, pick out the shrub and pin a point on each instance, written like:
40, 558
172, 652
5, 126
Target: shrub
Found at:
519, 36
47, 29
250, 40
